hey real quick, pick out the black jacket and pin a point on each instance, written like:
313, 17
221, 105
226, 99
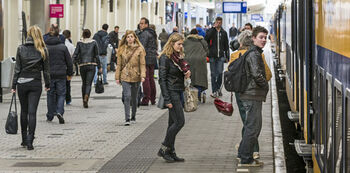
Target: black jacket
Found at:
86, 52
233, 31
257, 84
61, 64
170, 78
148, 38
212, 40
113, 39
29, 64
98, 37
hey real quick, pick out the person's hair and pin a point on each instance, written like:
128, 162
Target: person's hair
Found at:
152, 26
66, 34
116, 27
168, 48
146, 20
259, 29
54, 30
86, 33
218, 19
198, 25
163, 30
249, 24
105, 26
245, 39
194, 31
123, 43
39, 44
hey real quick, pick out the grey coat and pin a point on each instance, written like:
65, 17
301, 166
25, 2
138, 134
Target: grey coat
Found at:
148, 38
196, 51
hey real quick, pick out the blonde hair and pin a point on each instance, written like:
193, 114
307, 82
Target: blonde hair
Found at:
39, 43
168, 48
245, 39
123, 43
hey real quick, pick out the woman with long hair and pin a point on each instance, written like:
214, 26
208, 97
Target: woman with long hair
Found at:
173, 70
86, 55
31, 59
131, 70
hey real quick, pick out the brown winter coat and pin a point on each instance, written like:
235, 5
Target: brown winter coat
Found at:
134, 69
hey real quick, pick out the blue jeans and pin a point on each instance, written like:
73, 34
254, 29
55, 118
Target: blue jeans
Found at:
130, 93
56, 97
252, 128
216, 70
103, 60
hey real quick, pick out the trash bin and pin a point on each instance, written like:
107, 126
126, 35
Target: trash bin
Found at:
7, 70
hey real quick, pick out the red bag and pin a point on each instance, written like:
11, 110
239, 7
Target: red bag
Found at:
225, 108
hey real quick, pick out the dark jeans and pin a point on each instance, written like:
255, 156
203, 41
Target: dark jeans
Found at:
76, 68
216, 69
55, 97
200, 90
68, 95
87, 73
130, 93
176, 119
149, 87
252, 128
29, 96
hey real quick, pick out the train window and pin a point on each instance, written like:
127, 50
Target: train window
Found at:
338, 115
347, 113
329, 145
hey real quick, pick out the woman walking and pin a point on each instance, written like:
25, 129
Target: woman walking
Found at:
172, 72
196, 51
131, 70
86, 55
31, 59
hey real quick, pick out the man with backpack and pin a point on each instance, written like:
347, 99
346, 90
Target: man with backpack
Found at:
102, 39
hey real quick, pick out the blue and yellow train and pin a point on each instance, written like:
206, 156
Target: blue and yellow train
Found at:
312, 39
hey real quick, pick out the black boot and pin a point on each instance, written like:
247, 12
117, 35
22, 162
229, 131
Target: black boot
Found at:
165, 153
24, 139
174, 156
30, 139
85, 101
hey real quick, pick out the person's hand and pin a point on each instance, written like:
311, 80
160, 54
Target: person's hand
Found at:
69, 77
13, 91
215, 25
100, 70
142, 79
47, 89
169, 106
118, 82
188, 74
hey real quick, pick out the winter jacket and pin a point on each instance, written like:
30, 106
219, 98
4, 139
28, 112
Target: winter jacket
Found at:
148, 38
98, 38
212, 39
233, 32
196, 50
200, 31
171, 78
86, 53
163, 37
235, 55
29, 64
114, 39
61, 64
132, 66
257, 87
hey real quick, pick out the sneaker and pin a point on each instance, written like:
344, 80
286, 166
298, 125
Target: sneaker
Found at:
220, 94
214, 94
60, 118
68, 102
255, 163
144, 104
49, 119
106, 83
256, 155
133, 121
127, 123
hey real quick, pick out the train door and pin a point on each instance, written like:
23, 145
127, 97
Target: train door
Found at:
300, 59
295, 55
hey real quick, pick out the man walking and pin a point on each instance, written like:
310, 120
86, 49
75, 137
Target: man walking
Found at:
233, 32
61, 68
114, 41
218, 53
101, 37
148, 37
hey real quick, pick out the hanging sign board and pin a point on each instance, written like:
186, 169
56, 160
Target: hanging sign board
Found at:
234, 7
56, 11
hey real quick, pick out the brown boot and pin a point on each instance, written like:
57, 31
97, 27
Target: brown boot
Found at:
85, 101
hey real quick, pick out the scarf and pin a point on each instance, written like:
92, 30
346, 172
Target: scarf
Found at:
180, 62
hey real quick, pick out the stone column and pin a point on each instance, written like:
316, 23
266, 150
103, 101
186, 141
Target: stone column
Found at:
75, 17
162, 12
12, 26
91, 16
189, 18
39, 14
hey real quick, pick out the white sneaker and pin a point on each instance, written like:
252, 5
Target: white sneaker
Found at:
133, 121
127, 123
256, 155
237, 146
255, 163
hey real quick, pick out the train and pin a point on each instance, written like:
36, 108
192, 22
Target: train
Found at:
312, 55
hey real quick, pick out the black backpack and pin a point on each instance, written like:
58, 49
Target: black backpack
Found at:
235, 78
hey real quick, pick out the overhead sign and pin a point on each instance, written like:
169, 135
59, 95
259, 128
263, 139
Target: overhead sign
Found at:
234, 7
56, 11
257, 17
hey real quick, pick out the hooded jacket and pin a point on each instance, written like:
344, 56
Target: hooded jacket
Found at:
148, 38
29, 64
61, 64
98, 37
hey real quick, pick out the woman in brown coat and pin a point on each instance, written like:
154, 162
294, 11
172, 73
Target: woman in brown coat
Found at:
131, 70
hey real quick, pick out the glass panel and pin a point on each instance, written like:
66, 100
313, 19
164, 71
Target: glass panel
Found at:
347, 113
338, 130
329, 127
322, 119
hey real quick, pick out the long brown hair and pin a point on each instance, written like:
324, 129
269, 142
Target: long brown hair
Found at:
168, 49
123, 43
37, 36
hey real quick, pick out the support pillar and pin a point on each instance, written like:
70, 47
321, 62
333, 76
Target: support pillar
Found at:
76, 20
91, 16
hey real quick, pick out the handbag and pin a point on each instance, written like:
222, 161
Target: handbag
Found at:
99, 84
191, 99
224, 107
161, 103
11, 125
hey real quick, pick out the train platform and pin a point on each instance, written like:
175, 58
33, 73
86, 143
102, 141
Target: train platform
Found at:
96, 140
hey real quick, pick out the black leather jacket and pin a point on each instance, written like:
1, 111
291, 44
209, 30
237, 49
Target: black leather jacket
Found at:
87, 52
29, 64
170, 78
258, 87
